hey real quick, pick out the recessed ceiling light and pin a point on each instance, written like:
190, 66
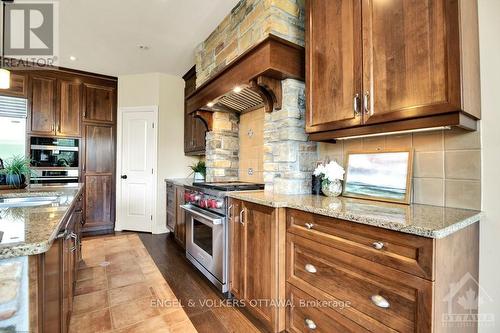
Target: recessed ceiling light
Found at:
73, 58
210, 104
143, 47
238, 89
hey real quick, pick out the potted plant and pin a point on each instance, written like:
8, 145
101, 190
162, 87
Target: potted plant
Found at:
199, 170
331, 175
16, 171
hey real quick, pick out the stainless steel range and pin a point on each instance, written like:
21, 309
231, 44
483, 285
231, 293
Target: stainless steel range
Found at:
207, 233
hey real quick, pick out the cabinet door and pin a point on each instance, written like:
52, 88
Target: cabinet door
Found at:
99, 203
409, 65
18, 86
200, 130
43, 91
70, 104
188, 133
99, 149
261, 261
333, 64
236, 250
51, 263
180, 221
99, 103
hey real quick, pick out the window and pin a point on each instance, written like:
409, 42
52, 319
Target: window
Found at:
13, 112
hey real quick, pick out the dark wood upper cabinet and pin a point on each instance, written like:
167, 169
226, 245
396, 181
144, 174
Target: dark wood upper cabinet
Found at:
70, 105
333, 71
43, 106
18, 86
403, 59
99, 149
195, 129
99, 103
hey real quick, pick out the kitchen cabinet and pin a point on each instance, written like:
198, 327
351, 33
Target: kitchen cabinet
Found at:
171, 211
393, 281
53, 276
99, 103
180, 220
18, 85
43, 105
372, 62
99, 176
55, 106
195, 129
257, 264
70, 106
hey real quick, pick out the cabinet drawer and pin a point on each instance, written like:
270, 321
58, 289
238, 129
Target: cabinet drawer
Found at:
310, 315
408, 253
375, 292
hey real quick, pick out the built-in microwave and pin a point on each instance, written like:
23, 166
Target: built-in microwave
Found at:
54, 152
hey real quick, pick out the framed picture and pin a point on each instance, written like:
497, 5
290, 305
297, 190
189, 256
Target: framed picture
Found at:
379, 175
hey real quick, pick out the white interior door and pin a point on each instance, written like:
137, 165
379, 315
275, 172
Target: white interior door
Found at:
137, 170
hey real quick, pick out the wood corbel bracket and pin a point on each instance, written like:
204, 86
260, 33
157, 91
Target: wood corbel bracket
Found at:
206, 117
270, 91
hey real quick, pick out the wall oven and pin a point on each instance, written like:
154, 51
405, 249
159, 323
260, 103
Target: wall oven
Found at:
206, 244
54, 160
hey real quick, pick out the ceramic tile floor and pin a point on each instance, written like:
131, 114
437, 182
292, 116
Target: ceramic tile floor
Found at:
118, 287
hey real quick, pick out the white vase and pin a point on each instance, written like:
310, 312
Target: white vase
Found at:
332, 189
198, 176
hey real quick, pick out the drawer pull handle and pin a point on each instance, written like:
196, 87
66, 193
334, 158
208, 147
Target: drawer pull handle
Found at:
380, 301
378, 245
310, 324
309, 225
310, 268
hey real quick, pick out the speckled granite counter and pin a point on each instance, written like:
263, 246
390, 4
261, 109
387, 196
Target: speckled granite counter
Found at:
422, 220
31, 230
181, 181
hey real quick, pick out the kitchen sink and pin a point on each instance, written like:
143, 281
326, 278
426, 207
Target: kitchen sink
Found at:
26, 202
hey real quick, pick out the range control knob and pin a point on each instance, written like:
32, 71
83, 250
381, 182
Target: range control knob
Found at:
218, 204
197, 197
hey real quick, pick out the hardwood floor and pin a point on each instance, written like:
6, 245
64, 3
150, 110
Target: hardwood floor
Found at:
202, 302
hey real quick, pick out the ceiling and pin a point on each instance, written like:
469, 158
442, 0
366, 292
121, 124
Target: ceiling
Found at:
104, 35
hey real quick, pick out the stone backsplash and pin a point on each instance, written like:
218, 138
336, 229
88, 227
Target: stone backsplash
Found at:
222, 148
289, 158
447, 164
250, 22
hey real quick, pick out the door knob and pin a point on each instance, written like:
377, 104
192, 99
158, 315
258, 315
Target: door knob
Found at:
124, 177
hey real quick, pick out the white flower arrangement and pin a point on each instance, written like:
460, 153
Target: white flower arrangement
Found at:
329, 172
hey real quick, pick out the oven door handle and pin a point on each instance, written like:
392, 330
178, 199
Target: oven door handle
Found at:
201, 214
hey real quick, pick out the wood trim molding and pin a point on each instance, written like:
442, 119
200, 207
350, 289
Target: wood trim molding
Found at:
457, 119
263, 66
206, 117
270, 91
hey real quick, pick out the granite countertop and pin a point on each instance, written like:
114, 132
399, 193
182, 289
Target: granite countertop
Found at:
180, 181
31, 230
421, 220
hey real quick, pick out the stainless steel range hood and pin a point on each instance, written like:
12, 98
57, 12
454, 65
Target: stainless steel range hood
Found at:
240, 100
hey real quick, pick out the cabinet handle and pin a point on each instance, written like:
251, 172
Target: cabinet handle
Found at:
366, 102
378, 245
310, 268
357, 112
309, 225
61, 234
59, 128
310, 324
230, 211
380, 301
241, 217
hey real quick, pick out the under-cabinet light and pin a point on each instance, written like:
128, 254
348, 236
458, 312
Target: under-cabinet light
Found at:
396, 132
210, 104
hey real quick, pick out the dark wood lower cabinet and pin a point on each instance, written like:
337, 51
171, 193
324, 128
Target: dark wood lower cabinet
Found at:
99, 203
180, 217
257, 265
335, 277
53, 276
